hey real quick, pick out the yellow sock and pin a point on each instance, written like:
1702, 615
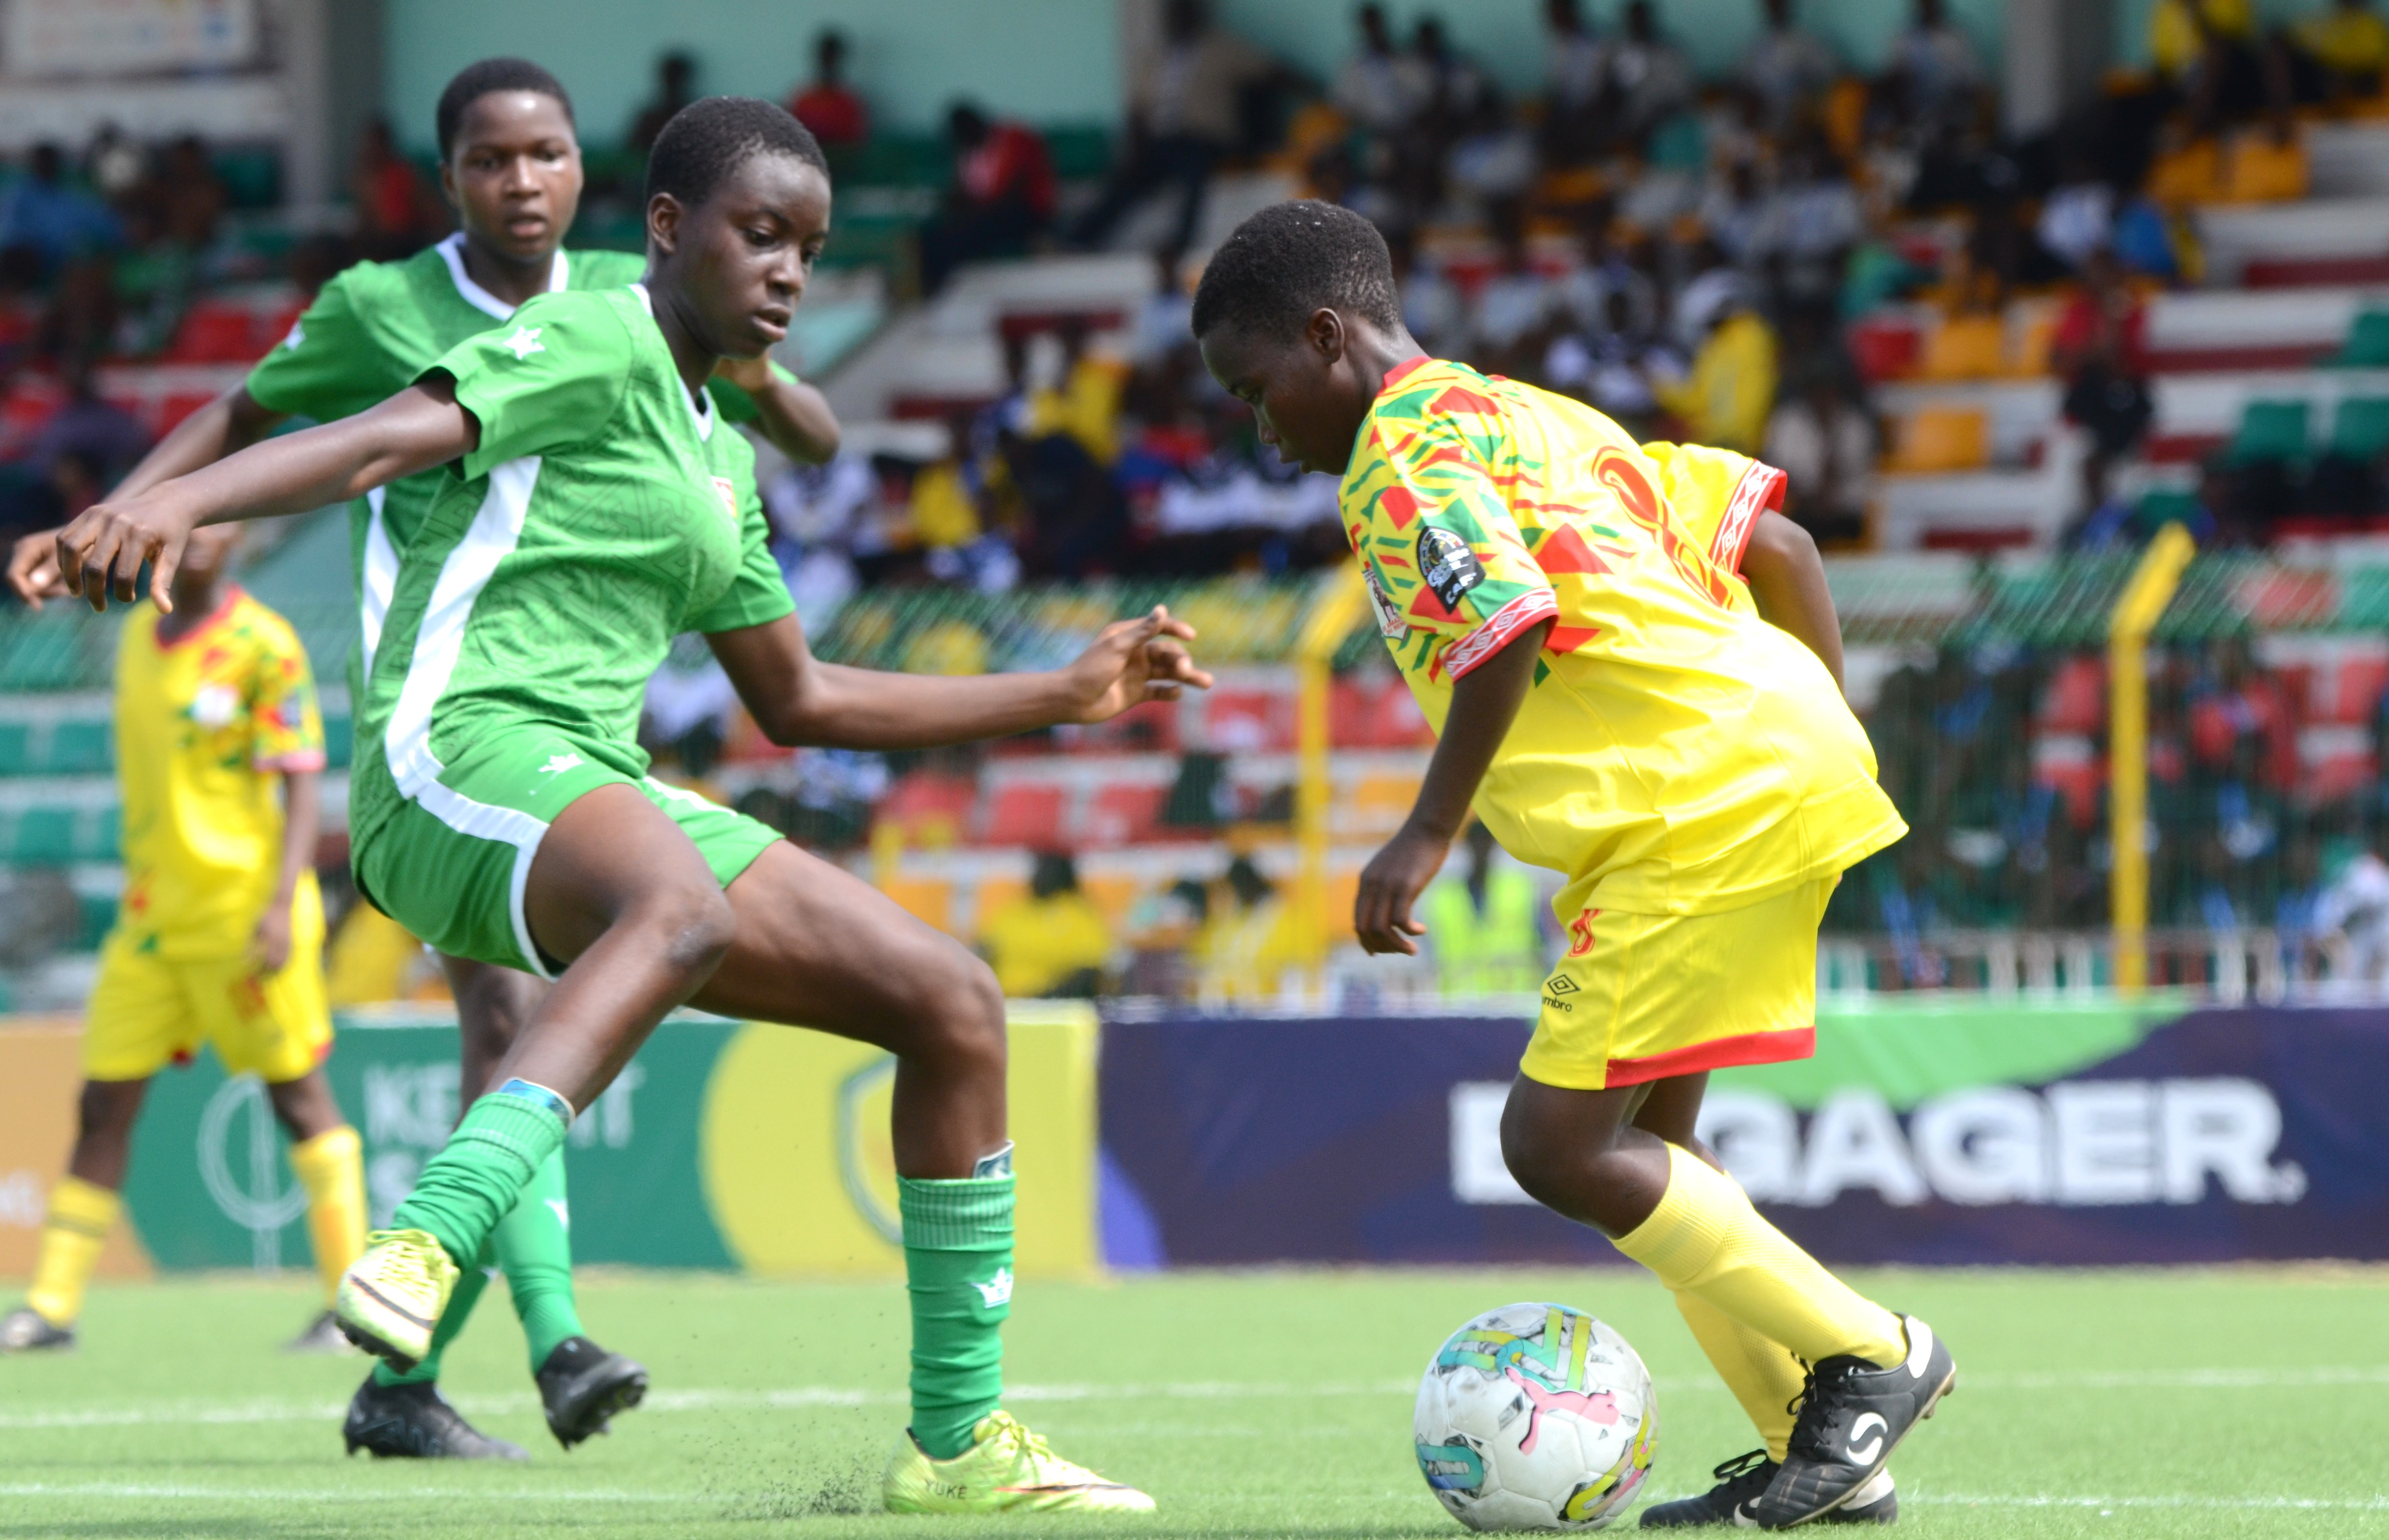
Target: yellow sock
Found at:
1762, 1374
1706, 1240
333, 1167
80, 1216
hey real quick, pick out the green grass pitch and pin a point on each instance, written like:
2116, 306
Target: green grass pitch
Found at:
2222, 1403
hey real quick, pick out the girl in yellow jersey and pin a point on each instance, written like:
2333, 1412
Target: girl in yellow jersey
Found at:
1608, 697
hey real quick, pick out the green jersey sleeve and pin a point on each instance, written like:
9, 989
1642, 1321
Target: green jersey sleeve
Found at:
734, 403
330, 366
551, 375
759, 595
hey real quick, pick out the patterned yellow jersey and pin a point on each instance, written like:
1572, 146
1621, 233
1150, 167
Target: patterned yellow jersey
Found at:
1717, 496
204, 726
1676, 753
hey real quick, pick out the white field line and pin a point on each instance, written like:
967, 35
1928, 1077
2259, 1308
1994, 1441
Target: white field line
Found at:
801, 1397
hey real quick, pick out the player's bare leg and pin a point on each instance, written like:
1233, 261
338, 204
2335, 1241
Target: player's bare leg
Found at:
1874, 1375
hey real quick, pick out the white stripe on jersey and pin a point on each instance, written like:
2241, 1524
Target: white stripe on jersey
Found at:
379, 578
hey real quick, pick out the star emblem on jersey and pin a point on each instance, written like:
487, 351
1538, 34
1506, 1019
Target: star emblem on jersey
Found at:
525, 342
559, 764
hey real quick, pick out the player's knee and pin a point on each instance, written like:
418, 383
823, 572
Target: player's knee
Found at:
1533, 1156
694, 924
966, 1015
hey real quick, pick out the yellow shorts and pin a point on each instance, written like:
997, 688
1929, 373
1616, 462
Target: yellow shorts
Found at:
147, 1011
1641, 998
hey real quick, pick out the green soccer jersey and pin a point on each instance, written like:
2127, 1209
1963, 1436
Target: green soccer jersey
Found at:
370, 333
601, 514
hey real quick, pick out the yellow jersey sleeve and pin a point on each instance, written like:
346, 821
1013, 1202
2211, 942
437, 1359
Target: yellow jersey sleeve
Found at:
1717, 496
286, 726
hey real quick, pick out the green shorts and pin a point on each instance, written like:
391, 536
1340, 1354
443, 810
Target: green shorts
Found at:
450, 864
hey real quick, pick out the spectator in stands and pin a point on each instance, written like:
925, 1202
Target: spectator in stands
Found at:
192, 196
1002, 198
675, 88
2077, 217
1053, 944
2354, 908
1788, 69
1649, 78
1372, 88
1187, 107
52, 221
397, 213
114, 164
1514, 318
1808, 223
1250, 938
2207, 53
1726, 398
1431, 303
2098, 347
2340, 52
1934, 82
1824, 441
1455, 88
829, 107
1482, 929
104, 437
1575, 85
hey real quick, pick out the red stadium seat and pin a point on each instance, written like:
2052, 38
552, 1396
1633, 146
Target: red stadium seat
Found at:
1247, 720
1124, 814
1885, 349
176, 407
2336, 761
1026, 812
1151, 728
2068, 763
213, 332
934, 811
2075, 700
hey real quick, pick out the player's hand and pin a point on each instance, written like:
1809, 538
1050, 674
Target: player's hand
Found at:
270, 947
101, 552
33, 569
1134, 661
1390, 883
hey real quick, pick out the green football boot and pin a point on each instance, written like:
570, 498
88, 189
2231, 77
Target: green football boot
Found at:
390, 1298
1006, 1470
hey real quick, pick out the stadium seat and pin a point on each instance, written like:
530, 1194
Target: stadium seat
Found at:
2075, 698
1884, 349
178, 406
2262, 169
1124, 814
1247, 720
1965, 347
1376, 806
1026, 812
1942, 439
2031, 338
2067, 762
1151, 728
2190, 175
2270, 430
933, 811
2336, 762
214, 332
79, 747
99, 918
2368, 342
928, 899
43, 837
102, 836
2348, 687
16, 747
2359, 430
340, 741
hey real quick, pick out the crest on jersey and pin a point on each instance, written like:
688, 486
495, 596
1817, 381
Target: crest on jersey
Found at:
1390, 624
729, 495
1448, 566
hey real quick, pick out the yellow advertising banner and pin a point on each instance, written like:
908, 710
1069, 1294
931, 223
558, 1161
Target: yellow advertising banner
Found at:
40, 1070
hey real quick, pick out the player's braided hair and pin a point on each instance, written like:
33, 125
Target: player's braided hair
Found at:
484, 76
1293, 258
713, 137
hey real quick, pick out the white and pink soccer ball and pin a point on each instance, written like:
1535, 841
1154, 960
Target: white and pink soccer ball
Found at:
1535, 1417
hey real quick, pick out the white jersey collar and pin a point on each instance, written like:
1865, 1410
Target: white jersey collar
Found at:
702, 415
451, 251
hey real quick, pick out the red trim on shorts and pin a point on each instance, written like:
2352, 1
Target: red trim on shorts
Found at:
1757, 1048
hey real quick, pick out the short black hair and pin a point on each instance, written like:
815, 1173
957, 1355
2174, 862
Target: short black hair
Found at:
713, 136
1291, 259
485, 76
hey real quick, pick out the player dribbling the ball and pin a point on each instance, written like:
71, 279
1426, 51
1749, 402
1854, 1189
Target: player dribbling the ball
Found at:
1610, 700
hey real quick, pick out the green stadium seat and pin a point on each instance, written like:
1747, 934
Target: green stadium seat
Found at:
44, 837
16, 747
103, 836
80, 747
2368, 342
2360, 431
2271, 430
340, 741
2164, 506
99, 919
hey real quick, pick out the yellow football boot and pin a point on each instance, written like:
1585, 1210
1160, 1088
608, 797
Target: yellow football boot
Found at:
390, 1298
1006, 1470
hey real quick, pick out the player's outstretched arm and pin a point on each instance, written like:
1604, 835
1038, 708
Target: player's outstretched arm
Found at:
1484, 702
799, 701
1787, 580
233, 422
793, 414
101, 552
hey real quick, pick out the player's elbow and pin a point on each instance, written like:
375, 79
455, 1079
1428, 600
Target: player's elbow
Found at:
794, 722
1779, 545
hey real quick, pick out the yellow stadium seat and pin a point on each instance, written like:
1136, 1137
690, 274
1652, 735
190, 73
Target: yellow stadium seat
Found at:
1965, 347
2261, 170
928, 898
2190, 175
2031, 332
1942, 439
1378, 804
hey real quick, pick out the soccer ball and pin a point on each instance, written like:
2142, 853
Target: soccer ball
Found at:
1535, 1417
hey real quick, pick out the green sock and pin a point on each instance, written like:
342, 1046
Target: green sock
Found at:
534, 1248
471, 1184
470, 1281
958, 1268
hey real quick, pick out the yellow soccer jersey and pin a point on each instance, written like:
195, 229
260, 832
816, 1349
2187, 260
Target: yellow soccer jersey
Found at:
204, 725
1676, 753
1717, 496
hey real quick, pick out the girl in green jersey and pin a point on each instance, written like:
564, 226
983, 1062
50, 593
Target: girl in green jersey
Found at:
638, 901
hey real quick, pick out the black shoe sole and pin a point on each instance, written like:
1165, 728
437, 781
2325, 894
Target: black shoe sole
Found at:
1949, 1383
381, 1350
590, 1417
